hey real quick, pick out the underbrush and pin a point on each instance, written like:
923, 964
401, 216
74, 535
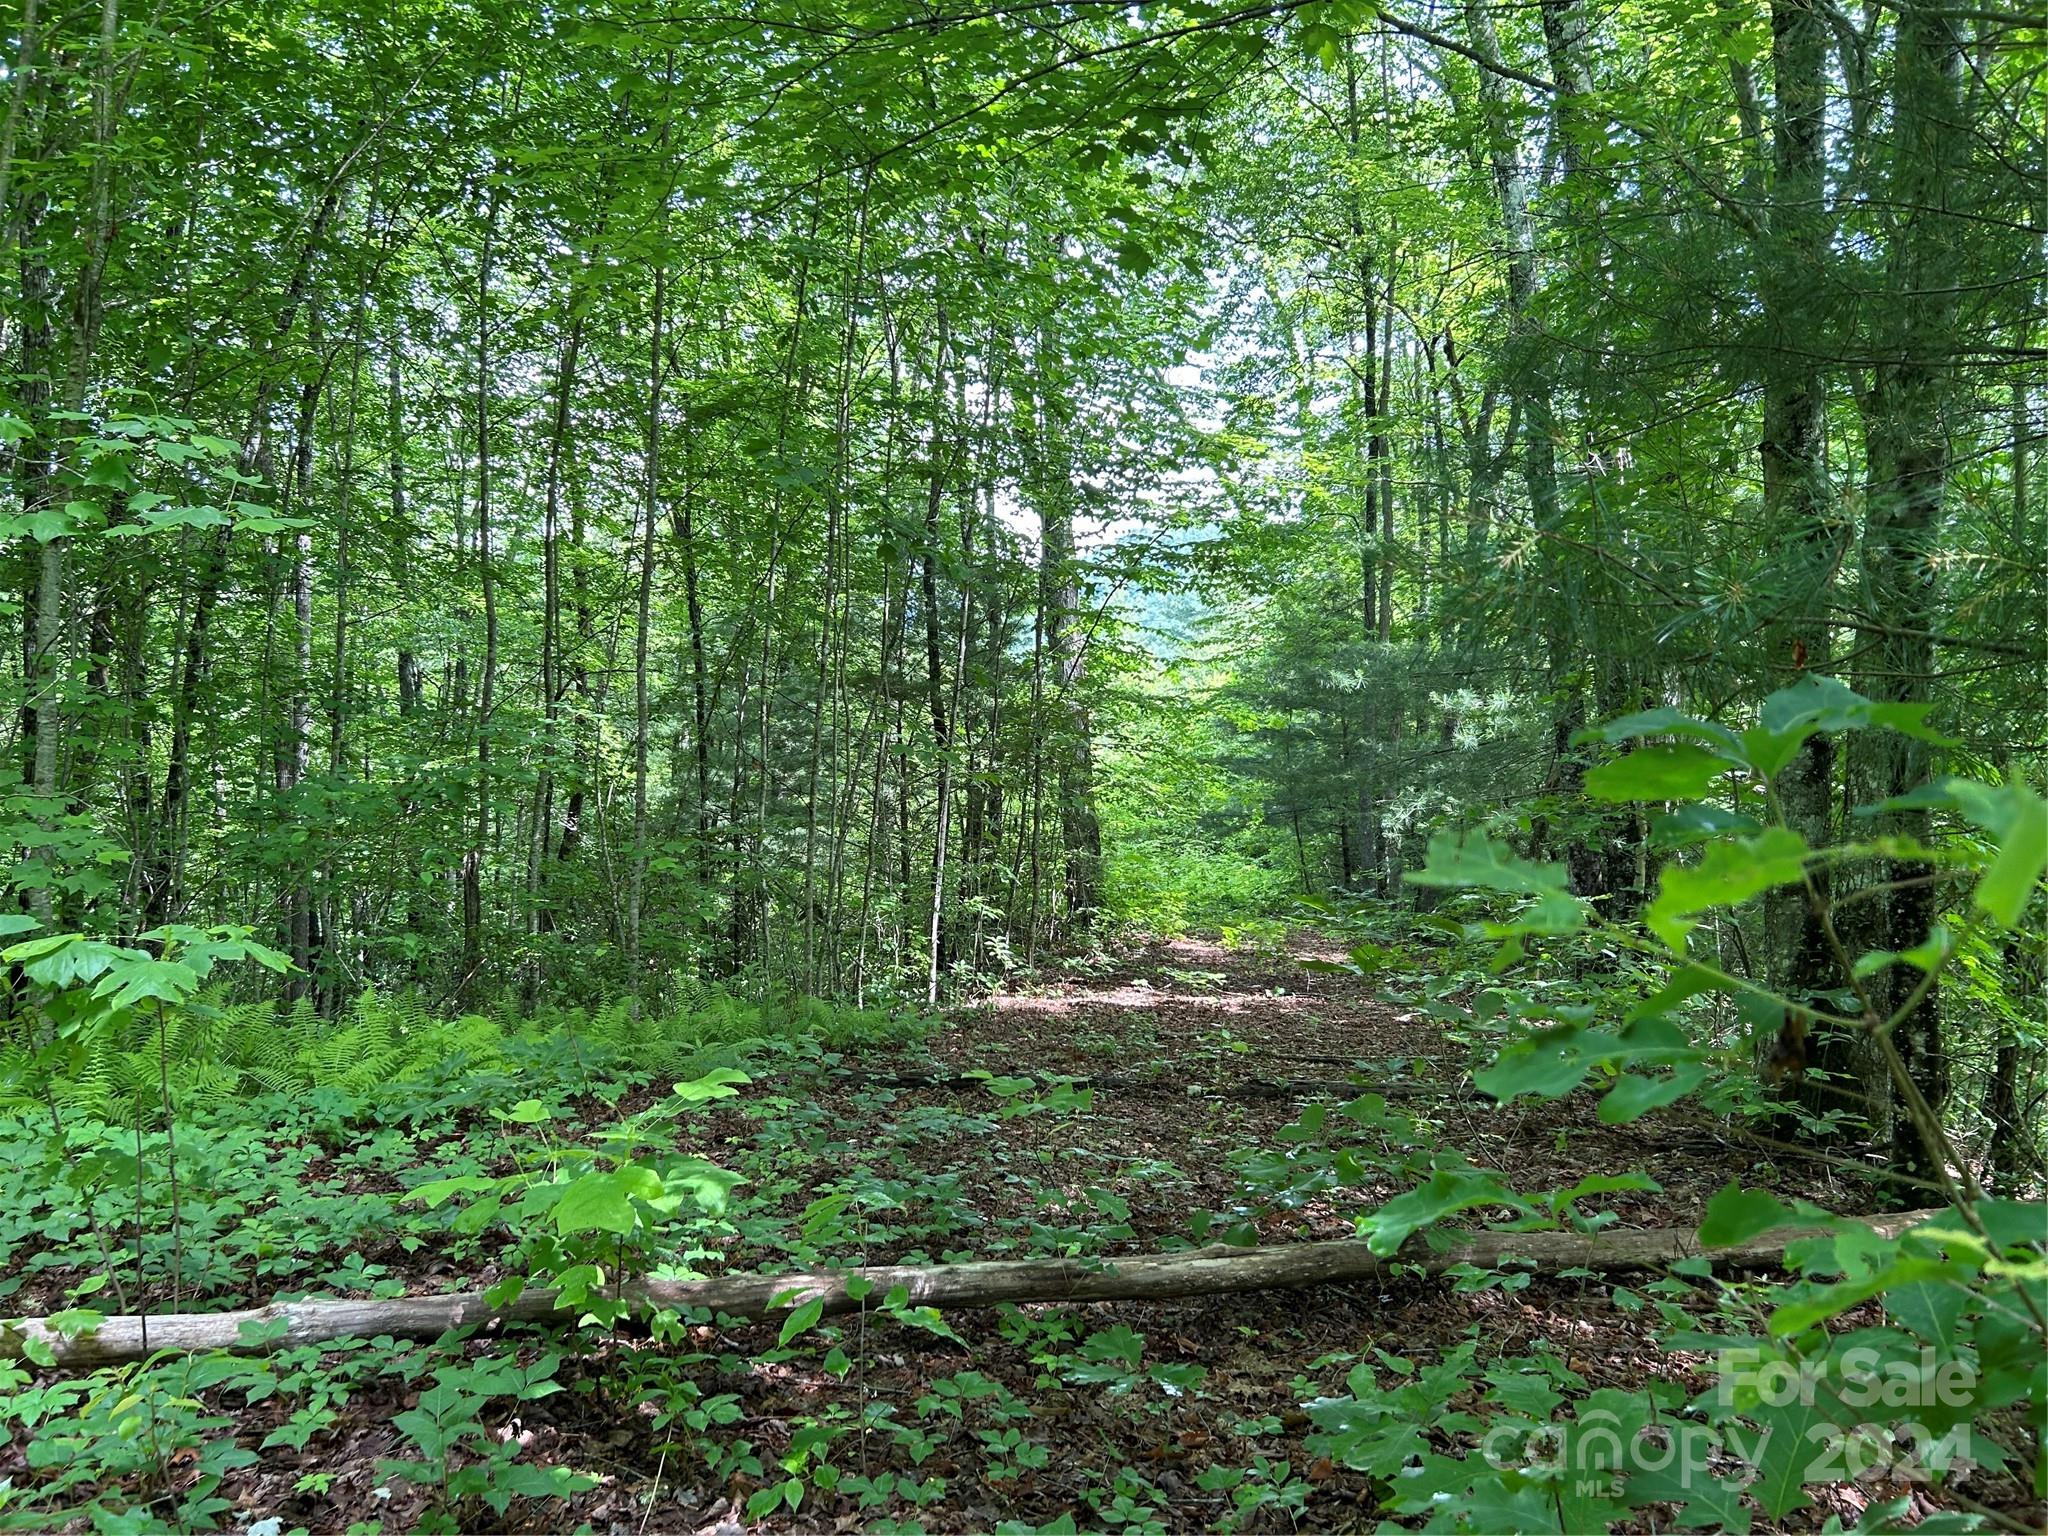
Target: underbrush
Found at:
206, 1052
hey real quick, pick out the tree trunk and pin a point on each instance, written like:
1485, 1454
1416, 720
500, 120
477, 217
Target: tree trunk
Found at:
470, 981
934, 667
636, 890
1799, 515
541, 912
1066, 646
1906, 430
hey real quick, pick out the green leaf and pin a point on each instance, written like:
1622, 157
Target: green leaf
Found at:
803, 1318
1634, 1095
1685, 981
1666, 771
705, 1182
2002, 894
1926, 956
1817, 1306
1476, 860
1662, 722
69, 959
1448, 1191
1602, 1184
1735, 1215
42, 525
1728, 874
1546, 1065
129, 981
1677, 1476
927, 1319
718, 1083
435, 1191
1688, 825
597, 1202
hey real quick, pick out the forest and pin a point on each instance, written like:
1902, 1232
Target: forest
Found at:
1023, 766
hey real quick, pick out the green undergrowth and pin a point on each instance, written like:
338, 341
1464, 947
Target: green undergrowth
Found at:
209, 1052
895, 1418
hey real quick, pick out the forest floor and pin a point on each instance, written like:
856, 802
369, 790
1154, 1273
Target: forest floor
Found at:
1106, 1414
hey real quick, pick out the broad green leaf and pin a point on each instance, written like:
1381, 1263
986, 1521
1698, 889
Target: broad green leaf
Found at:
1728, 874
2015, 873
1824, 1302
1634, 1095
1686, 826
1932, 1309
718, 1083
42, 525
804, 1317
1663, 722
1926, 956
1548, 1065
1789, 1443
1448, 1191
1476, 860
435, 1191
1602, 1184
1665, 771
926, 1319
1817, 703
75, 961
596, 1202
1673, 1471
705, 1182
130, 981
1735, 1215
1685, 981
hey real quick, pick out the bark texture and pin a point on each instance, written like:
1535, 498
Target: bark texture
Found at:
1143, 1277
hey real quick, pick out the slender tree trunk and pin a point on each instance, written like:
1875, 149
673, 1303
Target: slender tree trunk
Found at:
1067, 643
1798, 504
1526, 348
1906, 425
540, 901
36, 469
636, 892
471, 980
934, 669
296, 751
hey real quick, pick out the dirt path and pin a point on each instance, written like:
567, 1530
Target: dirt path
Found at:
1176, 1152
1215, 1026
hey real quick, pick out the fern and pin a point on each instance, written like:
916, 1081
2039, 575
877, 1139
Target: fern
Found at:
211, 1051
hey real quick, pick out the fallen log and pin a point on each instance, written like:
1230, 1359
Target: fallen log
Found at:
1141, 1277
